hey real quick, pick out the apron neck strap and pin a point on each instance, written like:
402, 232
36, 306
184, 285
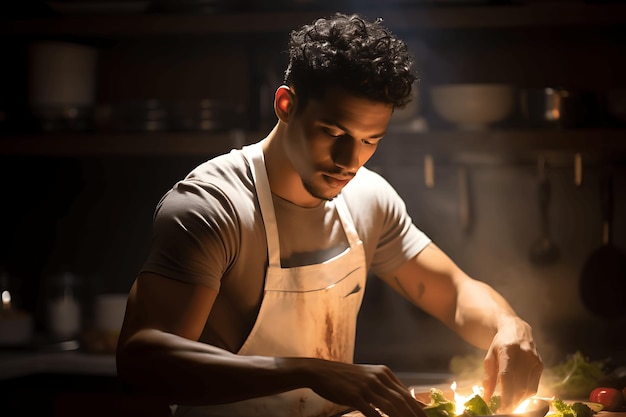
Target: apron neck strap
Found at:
256, 160
254, 154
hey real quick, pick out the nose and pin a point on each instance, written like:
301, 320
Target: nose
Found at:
346, 153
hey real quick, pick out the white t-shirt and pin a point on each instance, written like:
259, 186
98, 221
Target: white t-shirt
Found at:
208, 230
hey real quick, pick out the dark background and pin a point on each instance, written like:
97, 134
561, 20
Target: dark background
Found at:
90, 213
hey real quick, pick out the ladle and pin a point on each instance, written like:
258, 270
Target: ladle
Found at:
544, 251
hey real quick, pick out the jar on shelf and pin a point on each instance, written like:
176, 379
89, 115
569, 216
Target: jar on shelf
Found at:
63, 306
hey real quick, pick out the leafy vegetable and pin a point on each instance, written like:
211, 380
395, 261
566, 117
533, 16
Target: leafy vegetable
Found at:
437, 397
439, 405
582, 410
439, 410
562, 410
476, 406
494, 403
577, 409
576, 376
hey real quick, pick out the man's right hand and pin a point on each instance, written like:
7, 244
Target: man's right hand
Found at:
371, 389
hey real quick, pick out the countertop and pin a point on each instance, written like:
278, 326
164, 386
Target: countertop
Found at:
15, 363
600, 414
20, 363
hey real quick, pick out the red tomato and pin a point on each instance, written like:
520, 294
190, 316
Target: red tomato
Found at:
611, 399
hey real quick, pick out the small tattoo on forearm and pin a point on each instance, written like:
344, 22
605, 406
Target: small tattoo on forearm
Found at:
419, 293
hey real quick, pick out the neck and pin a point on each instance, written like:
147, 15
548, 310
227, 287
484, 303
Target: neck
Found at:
283, 178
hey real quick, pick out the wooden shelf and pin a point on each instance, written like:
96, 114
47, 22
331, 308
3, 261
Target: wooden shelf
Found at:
497, 147
553, 14
520, 141
103, 144
590, 141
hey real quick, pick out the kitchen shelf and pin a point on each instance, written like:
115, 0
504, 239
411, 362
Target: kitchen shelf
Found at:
520, 141
505, 147
544, 14
119, 143
590, 141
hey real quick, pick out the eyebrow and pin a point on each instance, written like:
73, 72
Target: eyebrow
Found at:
345, 129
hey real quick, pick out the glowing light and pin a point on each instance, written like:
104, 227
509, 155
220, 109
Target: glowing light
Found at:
460, 400
6, 300
522, 407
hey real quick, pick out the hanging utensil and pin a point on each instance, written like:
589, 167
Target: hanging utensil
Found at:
465, 211
429, 171
544, 251
603, 277
578, 169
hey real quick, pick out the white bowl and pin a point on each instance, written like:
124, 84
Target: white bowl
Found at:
473, 106
109, 311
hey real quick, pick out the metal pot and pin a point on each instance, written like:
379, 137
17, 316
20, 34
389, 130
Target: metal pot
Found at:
559, 107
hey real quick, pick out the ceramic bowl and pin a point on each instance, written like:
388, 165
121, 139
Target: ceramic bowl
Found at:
473, 106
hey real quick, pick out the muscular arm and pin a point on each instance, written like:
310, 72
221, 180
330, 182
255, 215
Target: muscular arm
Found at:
158, 349
158, 352
480, 315
433, 282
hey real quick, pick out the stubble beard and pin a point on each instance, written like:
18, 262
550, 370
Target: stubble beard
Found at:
311, 190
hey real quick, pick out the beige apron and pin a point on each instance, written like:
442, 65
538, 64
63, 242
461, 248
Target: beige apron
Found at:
307, 311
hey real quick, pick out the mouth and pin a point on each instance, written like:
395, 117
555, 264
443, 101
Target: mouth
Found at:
336, 182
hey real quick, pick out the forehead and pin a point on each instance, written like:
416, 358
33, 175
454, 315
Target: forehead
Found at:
348, 109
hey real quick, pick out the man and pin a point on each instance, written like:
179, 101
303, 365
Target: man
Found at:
247, 303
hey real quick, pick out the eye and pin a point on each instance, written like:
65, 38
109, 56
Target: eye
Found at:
372, 142
333, 133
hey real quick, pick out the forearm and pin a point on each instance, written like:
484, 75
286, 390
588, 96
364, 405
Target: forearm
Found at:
480, 312
471, 308
192, 373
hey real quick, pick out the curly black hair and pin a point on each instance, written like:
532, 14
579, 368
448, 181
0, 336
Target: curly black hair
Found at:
349, 52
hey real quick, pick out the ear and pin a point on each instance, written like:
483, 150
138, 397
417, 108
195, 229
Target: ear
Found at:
283, 102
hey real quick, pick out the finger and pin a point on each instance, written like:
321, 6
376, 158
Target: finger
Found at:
389, 394
509, 382
398, 404
535, 377
383, 406
514, 390
520, 376
414, 405
506, 394
490, 378
392, 380
417, 407
401, 394
421, 404
369, 411
366, 408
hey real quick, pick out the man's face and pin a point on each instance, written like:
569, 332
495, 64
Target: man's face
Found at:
332, 138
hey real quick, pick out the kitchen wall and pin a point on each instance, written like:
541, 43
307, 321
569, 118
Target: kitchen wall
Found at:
90, 216
505, 223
